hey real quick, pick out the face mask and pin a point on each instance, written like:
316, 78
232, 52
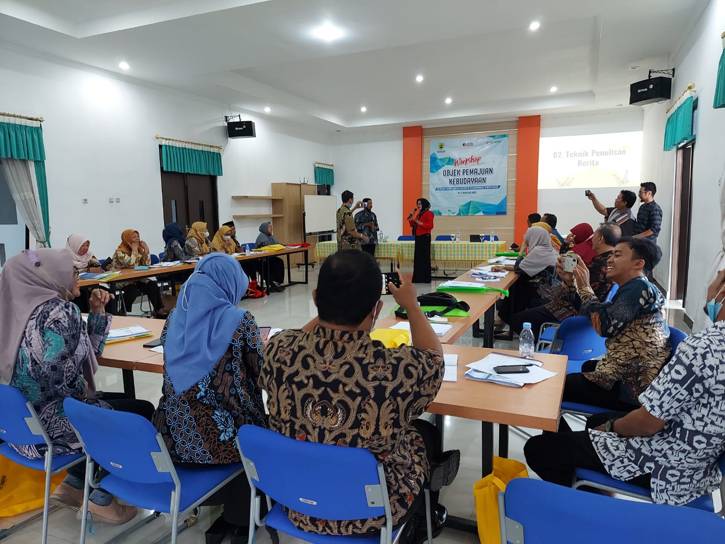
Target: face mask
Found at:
206, 234
713, 308
227, 237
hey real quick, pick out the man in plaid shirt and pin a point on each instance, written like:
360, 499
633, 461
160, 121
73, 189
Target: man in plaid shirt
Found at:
649, 215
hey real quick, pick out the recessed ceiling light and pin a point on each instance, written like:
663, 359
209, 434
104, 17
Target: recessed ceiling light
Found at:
327, 32
267, 109
363, 109
123, 65
448, 100
419, 78
553, 89
534, 26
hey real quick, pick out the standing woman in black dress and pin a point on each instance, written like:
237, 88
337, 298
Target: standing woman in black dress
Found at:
421, 220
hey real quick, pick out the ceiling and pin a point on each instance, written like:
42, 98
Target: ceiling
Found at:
249, 54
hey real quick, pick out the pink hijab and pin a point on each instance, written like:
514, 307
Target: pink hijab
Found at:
74, 243
28, 280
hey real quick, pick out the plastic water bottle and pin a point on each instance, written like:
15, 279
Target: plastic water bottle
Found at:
526, 342
247, 249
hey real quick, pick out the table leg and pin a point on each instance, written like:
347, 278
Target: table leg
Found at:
488, 319
307, 265
476, 330
503, 440
289, 270
129, 386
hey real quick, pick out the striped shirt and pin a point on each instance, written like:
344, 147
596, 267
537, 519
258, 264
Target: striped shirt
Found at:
649, 217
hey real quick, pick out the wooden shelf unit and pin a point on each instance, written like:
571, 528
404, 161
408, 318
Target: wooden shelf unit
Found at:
290, 205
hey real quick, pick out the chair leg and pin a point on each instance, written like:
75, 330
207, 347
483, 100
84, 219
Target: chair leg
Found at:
86, 495
46, 495
428, 523
174, 516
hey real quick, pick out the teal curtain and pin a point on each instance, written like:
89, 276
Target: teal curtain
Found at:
25, 143
719, 101
679, 125
324, 175
190, 161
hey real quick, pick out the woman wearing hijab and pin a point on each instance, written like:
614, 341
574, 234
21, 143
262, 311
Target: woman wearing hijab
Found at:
421, 221
580, 242
132, 252
223, 242
83, 261
275, 264
212, 360
536, 273
49, 353
175, 241
197, 240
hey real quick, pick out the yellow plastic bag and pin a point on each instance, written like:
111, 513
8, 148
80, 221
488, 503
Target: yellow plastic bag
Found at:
391, 338
271, 247
21, 488
485, 495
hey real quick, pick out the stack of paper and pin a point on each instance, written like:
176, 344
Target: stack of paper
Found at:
438, 328
502, 261
98, 275
451, 372
127, 333
165, 264
455, 284
484, 370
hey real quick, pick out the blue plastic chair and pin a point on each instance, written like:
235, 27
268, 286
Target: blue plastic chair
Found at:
444, 238
536, 512
577, 339
154, 258
140, 470
319, 480
162, 255
489, 237
19, 425
406, 238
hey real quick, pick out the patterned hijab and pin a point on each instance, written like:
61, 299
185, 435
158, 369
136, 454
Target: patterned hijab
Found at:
540, 253
125, 245
219, 243
28, 280
198, 231
204, 320
73, 244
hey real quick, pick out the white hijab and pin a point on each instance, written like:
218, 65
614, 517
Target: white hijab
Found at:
540, 253
74, 243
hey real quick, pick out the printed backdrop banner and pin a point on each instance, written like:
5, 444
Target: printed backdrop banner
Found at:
468, 175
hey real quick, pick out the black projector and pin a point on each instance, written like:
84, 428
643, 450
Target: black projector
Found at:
647, 91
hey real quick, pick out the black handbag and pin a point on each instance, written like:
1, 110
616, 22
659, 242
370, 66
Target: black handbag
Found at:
437, 299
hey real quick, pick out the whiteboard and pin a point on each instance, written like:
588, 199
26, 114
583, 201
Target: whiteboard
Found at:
320, 213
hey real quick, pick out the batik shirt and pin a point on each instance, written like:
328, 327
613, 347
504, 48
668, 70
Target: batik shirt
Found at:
200, 425
565, 302
637, 336
343, 388
346, 226
361, 223
51, 366
689, 395
123, 260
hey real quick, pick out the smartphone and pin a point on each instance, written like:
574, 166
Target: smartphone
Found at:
569, 262
264, 333
153, 343
587, 193
390, 277
511, 369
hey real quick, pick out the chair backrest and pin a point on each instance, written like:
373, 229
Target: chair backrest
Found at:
18, 423
154, 258
444, 238
577, 339
489, 237
676, 336
319, 480
536, 510
475, 237
406, 238
162, 255
125, 444
612, 291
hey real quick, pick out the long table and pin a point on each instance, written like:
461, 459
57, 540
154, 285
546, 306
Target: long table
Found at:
403, 250
132, 274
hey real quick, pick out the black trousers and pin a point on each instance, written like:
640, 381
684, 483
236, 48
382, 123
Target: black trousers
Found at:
276, 269
556, 456
523, 294
421, 259
536, 316
121, 403
235, 496
369, 248
149, 288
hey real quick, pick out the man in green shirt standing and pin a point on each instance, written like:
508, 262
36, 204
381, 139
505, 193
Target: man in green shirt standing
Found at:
348, 236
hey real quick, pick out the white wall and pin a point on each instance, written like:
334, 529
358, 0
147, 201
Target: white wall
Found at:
373, 167
697, 62
99, 139
571, 206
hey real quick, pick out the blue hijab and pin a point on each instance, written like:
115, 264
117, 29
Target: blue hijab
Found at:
202, 325
172, 231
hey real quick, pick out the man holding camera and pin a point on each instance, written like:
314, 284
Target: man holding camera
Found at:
620, 213
366, 222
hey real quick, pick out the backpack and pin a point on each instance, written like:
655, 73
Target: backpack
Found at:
437, 299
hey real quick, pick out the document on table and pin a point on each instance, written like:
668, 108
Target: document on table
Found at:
451, 371
502, 261
463, 284
438, 328
535, 374
133, 331
158, 349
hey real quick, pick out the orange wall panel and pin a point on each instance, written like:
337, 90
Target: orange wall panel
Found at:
412, 170
527, 172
